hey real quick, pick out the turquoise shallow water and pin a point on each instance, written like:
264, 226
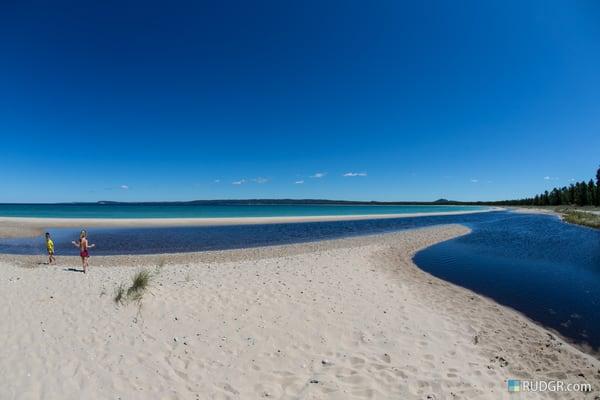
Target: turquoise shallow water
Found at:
210, 211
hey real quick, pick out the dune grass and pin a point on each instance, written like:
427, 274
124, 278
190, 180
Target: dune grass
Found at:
582, 218
135, 292
139, 285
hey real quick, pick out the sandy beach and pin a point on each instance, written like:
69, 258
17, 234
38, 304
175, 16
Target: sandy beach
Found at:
342, 319
25, 226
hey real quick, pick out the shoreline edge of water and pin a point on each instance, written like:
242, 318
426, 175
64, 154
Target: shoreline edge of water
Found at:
28, 226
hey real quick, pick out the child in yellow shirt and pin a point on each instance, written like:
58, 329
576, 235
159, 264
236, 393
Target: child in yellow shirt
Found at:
50, 248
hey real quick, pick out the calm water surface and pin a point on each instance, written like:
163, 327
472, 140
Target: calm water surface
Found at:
539, 265
548, 270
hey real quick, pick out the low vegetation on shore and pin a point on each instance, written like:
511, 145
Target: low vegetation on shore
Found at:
582, 218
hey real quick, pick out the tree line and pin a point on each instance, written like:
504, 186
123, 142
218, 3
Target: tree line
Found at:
579, 194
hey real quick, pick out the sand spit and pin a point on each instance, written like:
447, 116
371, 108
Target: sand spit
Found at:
341, 319
17, 226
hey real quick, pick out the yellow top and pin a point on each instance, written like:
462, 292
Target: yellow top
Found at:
50, 245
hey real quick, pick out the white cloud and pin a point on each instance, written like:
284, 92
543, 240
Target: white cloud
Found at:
319, 175
260, 180
124, 187
474, 180
547, 178
299, 182
355, 174
551, 178
217, 180
240, 182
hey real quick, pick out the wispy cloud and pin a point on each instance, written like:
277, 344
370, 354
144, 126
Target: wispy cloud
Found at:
355, 174
550, 178
319, 175
300, 182
217, 181
473, 180
258, 180
124, 187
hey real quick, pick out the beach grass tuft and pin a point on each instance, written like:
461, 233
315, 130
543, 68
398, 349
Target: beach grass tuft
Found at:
120, 294
140, 282
135, 292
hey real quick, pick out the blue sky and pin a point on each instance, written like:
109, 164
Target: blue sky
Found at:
180, 100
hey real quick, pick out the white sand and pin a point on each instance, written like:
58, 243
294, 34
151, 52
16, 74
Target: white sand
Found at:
24, 226
532, 210
342, 319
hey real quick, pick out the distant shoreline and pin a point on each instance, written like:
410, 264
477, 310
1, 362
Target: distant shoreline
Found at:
28, 226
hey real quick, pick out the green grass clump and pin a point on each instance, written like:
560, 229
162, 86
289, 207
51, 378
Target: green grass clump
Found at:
135, 292
582, 218
139, 285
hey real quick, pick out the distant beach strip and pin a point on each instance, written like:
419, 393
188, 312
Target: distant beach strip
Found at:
17, 223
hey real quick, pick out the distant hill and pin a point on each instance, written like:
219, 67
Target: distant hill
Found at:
237, 202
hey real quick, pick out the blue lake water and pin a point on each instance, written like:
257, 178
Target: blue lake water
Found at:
210, 211
547, 269
539, 265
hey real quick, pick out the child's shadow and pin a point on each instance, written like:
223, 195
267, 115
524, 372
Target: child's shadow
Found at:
72, 270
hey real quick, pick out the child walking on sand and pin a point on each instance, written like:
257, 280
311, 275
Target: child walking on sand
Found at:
50, 248
84, 246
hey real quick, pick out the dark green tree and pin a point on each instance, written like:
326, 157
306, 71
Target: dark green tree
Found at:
564, 196
591, 193
578, 193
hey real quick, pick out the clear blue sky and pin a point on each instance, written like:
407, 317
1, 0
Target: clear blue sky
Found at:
475, 100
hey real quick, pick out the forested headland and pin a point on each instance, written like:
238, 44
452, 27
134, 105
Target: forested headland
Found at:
576, 194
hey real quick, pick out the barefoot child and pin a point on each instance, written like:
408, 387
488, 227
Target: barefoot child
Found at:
84, 246
50, 248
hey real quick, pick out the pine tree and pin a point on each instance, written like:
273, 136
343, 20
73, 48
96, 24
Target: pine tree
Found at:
579, 193
554, 199
564, 196
591, 193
